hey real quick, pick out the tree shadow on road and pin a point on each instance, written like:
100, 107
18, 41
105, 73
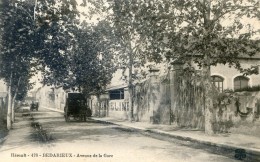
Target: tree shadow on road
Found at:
74, 131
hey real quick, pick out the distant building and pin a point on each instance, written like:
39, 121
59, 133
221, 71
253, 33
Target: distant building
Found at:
113, 103
51, 97
3, 97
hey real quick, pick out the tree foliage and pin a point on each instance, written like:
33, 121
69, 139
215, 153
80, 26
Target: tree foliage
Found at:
194, 29
65, 51
91, 64
15, 54
46, 36
128, 44
54, 22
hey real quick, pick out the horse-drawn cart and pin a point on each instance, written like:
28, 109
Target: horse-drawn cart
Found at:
76, 107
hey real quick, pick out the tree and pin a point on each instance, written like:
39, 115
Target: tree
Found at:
15, 55
197, 30
91, 62
127, 43
71, 54
71, 51
55, 22
46, 36
35, 37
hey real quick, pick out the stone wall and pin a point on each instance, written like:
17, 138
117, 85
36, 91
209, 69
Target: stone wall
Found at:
152, 100
232, 109
141, 101
187, 99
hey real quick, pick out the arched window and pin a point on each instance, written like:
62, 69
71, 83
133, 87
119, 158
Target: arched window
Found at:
218, 82
240, 82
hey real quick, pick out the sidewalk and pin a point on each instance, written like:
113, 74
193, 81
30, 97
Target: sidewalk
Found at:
249, 143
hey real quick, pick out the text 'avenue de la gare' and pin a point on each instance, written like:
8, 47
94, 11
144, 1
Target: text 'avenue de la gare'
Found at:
61, 155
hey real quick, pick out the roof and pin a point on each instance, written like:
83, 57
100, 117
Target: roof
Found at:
116, 87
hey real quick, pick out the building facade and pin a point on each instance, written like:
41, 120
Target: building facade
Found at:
225, 77
3, 99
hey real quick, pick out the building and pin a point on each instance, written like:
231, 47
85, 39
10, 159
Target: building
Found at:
113, 103
225, 77
3, 99
154, 98
50, 97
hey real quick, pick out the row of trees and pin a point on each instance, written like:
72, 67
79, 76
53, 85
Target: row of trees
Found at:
15, 55
47, 36
130, 34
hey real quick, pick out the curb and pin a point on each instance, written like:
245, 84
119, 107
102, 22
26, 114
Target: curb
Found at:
252, 155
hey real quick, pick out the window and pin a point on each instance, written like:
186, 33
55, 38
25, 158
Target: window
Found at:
116, 94
240, 82
218, 82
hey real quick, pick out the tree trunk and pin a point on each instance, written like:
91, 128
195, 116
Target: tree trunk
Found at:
130, 90
34, 10
208, 103
13, 104
130, 86
13, 99
99, 105
208, 92
9, 108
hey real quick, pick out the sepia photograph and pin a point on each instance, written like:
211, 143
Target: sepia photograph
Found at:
129, 80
